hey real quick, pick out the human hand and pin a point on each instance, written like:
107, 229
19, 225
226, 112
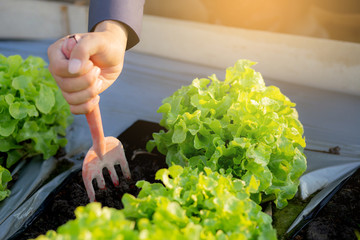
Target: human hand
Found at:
95, 62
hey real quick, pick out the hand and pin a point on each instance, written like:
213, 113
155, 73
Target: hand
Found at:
95, 62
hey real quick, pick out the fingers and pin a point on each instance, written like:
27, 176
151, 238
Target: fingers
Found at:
61, 68
82, 93
81, 89
59, 63
85, 107
87, 46
71, 84
80, 97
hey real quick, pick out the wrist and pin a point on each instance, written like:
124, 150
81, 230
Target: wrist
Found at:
115, 27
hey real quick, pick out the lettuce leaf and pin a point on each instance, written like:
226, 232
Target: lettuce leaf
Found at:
33, 113
5, 177
238, 125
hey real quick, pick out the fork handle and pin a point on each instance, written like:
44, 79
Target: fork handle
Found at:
94, 117
97, 133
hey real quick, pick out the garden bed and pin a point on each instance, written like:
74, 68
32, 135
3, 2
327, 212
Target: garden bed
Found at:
339, 219
143, 166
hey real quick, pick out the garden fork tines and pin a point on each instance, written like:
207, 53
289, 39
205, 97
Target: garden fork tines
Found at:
106, 152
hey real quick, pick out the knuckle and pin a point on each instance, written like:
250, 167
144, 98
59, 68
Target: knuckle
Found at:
54, 68
71, 98
87, 107
87, 80
58, 81
75, 110
67, 97
92, 92
79, 49
64, 85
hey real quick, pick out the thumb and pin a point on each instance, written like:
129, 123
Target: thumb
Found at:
75, 63
81, 48
68, 46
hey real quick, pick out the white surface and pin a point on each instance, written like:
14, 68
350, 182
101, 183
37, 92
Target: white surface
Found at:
24, 19
320, 178
314, 62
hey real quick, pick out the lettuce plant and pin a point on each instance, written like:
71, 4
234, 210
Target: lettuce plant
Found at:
33, 113
188, 205
96, 223
209, 205
239, 125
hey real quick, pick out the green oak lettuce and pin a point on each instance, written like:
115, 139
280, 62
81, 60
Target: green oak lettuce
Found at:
187, 205
95, 223
239, 125
33, 113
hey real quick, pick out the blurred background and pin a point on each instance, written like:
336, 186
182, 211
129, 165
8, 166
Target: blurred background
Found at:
330, 19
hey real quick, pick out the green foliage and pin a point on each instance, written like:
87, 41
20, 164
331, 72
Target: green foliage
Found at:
238, 125
33, 113
5, 177
357, 234
95, 223
190, 205
205, 205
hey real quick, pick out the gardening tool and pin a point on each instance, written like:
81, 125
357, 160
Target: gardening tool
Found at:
106, 152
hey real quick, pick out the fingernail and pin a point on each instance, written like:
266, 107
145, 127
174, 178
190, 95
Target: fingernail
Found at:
96, 99
97, 71
99, 85
74, 66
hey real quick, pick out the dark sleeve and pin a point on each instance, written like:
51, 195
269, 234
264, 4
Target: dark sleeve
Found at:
129, 12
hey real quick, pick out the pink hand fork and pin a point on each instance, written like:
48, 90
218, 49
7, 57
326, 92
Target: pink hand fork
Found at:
106, 152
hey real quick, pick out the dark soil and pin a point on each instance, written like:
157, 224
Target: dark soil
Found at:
339, 219
143, 166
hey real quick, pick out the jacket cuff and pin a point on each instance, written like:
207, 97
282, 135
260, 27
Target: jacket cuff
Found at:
129, 12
